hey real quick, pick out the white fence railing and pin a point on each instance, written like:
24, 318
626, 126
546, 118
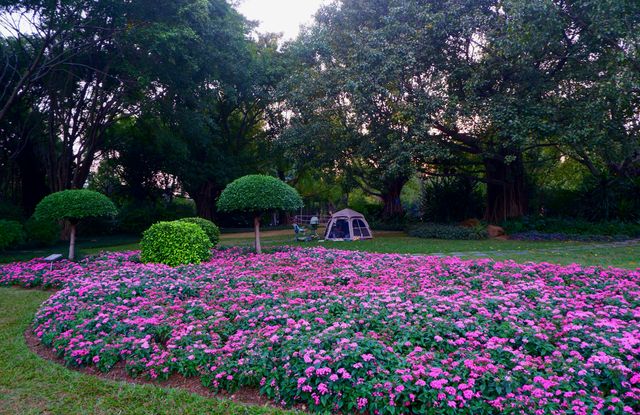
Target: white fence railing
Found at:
305, 219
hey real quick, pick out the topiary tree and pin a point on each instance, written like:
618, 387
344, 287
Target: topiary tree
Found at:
210, 228
175, 243
72, 206
256, 194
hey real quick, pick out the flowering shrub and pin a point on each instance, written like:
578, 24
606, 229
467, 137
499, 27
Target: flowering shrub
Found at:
358, 332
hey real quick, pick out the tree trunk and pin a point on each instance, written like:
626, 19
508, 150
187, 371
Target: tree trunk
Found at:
205, 200
72, 242
256, 227
392, 205
506, 189
33, 179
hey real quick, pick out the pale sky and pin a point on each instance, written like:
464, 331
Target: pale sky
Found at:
280, 16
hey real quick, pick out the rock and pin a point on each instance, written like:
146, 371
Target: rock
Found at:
495, 231
470, 223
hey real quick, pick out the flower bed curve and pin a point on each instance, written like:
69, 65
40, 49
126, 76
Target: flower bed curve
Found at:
358, 332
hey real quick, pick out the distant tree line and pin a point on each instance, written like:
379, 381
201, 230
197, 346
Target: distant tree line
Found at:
148, 99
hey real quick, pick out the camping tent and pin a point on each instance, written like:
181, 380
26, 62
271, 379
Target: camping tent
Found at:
347, 224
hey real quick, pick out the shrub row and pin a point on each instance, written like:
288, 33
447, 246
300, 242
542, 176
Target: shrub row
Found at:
573, 228
545, 236
35, 233
11, 234
441, 231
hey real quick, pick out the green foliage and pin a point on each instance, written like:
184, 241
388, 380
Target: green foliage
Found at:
451, 199
9, 211
175, 243
384, 66
135, 217
571, 226
74, 205
42, 232
369, 206
210, 228
11, 234
440, 231
258, 193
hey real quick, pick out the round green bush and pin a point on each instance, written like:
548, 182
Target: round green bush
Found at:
11, 234
73, 205
258, 193
42, 232
210, 228
175, 243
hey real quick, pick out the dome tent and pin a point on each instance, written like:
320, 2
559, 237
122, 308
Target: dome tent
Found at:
347, 224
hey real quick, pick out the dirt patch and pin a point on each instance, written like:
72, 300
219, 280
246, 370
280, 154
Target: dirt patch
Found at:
118, 373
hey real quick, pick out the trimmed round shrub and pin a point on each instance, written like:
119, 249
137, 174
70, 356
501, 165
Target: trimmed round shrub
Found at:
11, 234
42, 232
210, 228
175, 243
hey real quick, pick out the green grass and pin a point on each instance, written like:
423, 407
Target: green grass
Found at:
521, 251
84, 246
31, 385
398, 242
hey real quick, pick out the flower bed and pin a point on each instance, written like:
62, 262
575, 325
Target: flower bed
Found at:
358, 332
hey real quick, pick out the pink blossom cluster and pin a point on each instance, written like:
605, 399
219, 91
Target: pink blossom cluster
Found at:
357, 332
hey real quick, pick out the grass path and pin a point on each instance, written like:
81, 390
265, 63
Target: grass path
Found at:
31, 385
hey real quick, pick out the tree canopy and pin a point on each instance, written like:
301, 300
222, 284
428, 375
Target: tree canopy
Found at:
150, 100
74, 205
462, 87
258, 193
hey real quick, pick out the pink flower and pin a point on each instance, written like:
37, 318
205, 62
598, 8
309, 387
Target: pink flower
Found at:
362, 402
322, 388
438, 384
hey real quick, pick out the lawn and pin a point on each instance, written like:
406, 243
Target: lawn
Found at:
396, 242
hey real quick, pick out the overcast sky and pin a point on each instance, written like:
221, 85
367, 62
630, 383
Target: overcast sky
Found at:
280, 16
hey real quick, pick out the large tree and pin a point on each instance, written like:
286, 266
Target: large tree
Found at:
461, 87
123, 57
220, 118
